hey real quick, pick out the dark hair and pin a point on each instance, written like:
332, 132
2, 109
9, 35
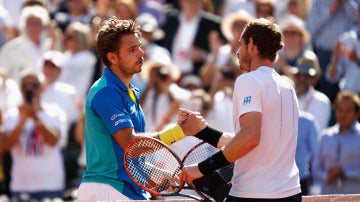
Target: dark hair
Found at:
110, 33
348, 95
266, 35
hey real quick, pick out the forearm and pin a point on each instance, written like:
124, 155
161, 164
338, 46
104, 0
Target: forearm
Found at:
241, 144
12, 137
207, 72
51, 136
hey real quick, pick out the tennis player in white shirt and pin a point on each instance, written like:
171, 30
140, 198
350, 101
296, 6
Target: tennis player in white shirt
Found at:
266, 122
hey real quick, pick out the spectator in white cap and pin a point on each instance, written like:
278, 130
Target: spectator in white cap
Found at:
305, 74
65, 96
26, 50
57, 92
296, 41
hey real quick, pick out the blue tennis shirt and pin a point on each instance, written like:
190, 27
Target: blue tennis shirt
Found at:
109, 109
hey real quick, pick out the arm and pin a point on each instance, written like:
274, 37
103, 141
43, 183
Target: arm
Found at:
12, 137
247, 138
51, 136
239, 145
195, 124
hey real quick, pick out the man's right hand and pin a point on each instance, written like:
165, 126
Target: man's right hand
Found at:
191, 122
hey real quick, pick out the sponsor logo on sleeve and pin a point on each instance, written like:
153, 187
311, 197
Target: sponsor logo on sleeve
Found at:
247, 100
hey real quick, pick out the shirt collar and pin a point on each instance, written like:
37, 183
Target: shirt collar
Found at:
354, 128
110, 75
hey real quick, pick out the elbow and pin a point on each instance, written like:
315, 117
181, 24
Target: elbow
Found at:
254, 140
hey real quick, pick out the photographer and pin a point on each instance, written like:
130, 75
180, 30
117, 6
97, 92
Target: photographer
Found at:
32, 133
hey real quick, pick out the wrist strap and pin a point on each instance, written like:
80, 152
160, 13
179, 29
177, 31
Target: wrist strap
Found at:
214, 162
172, 135
210, 136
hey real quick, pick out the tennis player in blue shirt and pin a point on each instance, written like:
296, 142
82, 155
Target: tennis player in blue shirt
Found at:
113, 116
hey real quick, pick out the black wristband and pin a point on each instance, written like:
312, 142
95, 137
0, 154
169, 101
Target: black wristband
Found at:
214, 162
210, 136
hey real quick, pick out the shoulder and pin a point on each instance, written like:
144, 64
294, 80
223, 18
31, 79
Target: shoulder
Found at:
322, 97
247, 79
105, 95
14, 44
306, 117
330, 131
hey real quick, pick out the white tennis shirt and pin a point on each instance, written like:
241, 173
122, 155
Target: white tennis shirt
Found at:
269, 170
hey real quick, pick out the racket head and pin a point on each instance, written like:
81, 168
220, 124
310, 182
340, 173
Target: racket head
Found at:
198, 153
153, 166
212, 185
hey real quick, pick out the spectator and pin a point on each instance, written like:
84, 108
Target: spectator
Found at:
344, 67
223, 56
26, 51
296, 43
57, 92
305, 74
338, 163
32, 133
187, 35
79, 59
327, 20
159, 101
63, 95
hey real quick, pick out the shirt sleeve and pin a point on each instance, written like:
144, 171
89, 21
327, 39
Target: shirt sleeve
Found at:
247, 95
111, 108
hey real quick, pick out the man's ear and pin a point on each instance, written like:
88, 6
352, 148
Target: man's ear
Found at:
251, 45
112, 57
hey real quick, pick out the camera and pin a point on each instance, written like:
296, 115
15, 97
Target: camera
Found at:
29, 95
29, 92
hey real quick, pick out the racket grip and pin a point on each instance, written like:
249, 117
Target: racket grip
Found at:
213, 185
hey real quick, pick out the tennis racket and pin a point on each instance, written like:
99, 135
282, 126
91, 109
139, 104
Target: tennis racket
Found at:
217, 185
154, 167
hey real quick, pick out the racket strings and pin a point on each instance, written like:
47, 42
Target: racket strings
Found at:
153, 167
199, 153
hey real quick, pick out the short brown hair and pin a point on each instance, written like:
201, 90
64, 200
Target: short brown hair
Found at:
348, 95
266, 35
110, 33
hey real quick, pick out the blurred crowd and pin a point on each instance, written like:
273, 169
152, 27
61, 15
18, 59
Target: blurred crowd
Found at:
48, 61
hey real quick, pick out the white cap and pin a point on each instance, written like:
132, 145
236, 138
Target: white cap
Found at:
56, 57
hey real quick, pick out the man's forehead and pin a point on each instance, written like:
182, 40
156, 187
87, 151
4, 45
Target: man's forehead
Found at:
130, 40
